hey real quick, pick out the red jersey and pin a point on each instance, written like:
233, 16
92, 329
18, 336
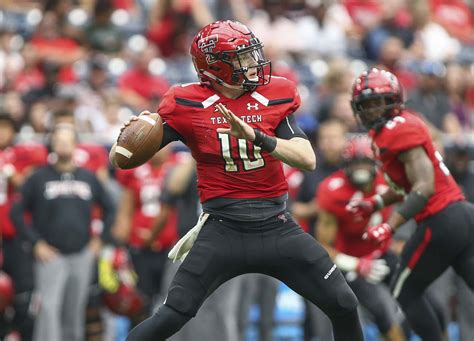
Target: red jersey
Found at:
334, 193
15, 160
228, 167
405, 132
146, 183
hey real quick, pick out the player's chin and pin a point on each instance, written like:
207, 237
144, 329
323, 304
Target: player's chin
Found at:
253, 77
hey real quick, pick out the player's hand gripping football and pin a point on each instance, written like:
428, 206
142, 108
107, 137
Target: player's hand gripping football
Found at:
378, 233
133, 118
238, 128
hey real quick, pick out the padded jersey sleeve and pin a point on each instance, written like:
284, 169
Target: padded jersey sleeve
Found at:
171, 124
402, 133
167, 107
285, 91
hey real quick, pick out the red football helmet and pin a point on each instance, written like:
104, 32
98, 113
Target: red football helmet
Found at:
228, 53
6, 291
118, 282
377, 96
356, 152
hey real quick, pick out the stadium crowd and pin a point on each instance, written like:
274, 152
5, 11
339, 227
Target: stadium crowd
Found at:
73, 71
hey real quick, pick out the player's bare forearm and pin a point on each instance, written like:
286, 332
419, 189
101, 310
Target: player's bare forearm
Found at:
420, 174
391, 197
419, 170
326, 232
296, 152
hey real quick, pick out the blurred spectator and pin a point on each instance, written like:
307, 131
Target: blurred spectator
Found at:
324, 28
391, 57
338, 80
457, 90
342, 110
60, 198
101, 34
460, 162
171, 21
93, 94
432, 41
395, 22
429, 98
39, 117
138, 87
54, 47
456, 17
31, 76
278, 33
13, 104
366, 14
61, 9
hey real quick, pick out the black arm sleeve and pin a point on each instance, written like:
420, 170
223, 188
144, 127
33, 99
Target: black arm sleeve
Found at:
288, 128
170, 135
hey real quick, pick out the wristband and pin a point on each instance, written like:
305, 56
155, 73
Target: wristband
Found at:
378, 201
412, 205
262, 140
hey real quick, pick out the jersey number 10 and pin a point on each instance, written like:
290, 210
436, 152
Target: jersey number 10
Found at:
230, 163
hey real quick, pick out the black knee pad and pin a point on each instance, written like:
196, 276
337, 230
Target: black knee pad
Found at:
182, 300
347, 300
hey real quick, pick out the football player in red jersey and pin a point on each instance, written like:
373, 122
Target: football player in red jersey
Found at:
140, 204
417, 175
240, 127
340, 232
16, 162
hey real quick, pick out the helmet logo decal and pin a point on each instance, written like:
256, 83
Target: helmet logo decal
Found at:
207, 46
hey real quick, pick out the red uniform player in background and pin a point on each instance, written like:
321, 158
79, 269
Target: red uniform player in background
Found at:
142, 206
418, 177
340, 232
16, 162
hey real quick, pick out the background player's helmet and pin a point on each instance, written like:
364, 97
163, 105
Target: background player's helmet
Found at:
6, 291
359, 163
225, 51
117, 280
376, 84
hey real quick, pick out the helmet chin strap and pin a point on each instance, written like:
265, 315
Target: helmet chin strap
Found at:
221, 82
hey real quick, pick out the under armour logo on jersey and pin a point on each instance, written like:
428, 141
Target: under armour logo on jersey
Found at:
282, 217
251, 106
